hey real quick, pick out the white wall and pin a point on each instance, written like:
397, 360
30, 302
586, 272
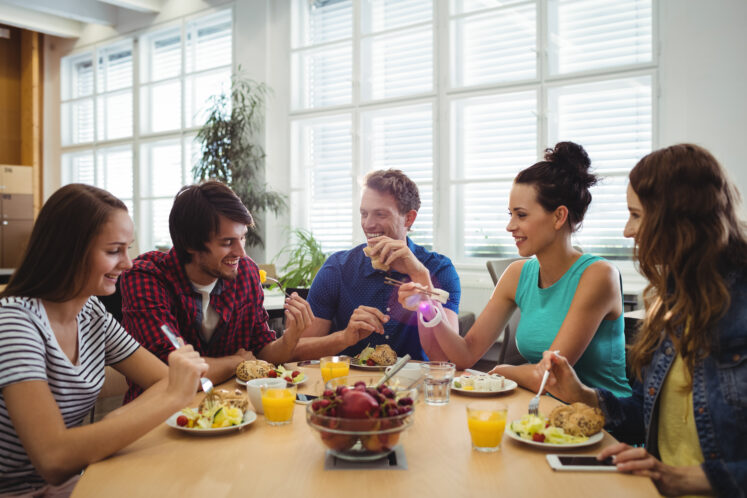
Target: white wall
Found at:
701, 92
702, 77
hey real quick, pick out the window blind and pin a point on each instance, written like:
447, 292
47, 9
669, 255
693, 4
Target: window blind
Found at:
114, 67
160, 55
78, 167
82, 75
114, 115
402, 138
209, 42
321, 22
381, 15
511, 91
494, 46
164, 163
323, 154
322, 77
465, 6
495, 137
592, 34
114, 171
397, 64
613, 121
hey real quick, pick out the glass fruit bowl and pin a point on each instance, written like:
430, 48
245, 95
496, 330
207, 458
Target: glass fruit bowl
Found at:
361, 429
358, 439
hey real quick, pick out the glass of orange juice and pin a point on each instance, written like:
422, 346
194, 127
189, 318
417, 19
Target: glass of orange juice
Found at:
278, 404
486, 421
334, 366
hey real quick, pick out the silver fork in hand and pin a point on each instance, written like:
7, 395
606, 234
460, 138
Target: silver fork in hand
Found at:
207, 385
535, 402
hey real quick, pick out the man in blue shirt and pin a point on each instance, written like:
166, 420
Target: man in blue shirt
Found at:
352, 304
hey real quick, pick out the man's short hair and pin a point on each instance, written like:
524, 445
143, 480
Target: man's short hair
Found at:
398, 185
195, 215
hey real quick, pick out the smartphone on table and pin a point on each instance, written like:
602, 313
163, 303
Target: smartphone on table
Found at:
305, 399
580, 463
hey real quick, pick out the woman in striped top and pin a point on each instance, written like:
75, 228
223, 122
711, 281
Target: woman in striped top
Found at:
56, 338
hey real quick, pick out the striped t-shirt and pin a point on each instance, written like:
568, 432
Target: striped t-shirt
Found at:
29, 351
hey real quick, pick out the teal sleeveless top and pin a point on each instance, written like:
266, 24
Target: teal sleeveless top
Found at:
542, 313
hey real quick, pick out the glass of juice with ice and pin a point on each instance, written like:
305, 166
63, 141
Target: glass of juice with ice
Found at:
334, 366
278, 404
486, 421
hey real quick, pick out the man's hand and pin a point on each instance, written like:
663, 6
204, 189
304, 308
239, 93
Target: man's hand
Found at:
245, 355
298, 316
398, 256
364, 321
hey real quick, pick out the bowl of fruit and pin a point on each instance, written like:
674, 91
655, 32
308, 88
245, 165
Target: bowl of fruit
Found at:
359, 422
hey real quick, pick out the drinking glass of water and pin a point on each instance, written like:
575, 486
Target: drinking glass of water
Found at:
438, 376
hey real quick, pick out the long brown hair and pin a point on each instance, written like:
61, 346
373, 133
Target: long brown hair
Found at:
688, 238
55, 264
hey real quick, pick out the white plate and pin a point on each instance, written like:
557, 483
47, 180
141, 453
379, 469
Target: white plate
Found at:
243, 382
508, 385
249, 417
594, 439
370, 367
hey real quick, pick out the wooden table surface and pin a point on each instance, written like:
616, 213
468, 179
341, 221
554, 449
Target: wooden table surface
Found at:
288, 461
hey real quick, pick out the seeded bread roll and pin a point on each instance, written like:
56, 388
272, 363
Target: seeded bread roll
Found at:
375, 260
577, 419
253, 369
384, 355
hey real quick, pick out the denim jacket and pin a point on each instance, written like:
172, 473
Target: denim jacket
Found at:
719, 399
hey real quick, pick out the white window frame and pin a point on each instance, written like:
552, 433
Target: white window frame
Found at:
139, 138
446, 226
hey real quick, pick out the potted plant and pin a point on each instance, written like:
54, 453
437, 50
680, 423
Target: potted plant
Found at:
232, 153
305, 258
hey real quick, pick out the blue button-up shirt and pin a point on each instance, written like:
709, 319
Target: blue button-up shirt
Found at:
347, 280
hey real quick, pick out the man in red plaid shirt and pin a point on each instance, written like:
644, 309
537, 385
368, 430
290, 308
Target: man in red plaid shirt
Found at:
207, 289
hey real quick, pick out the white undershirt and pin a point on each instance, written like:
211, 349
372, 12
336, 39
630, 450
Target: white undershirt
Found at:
210, 318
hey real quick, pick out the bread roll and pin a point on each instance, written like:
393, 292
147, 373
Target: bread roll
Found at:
375, 260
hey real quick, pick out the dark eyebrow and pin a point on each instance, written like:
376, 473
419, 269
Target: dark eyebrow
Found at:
225, 239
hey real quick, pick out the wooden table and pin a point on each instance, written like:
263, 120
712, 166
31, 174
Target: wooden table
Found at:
288, 461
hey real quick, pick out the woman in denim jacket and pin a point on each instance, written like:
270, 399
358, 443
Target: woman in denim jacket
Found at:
689, 405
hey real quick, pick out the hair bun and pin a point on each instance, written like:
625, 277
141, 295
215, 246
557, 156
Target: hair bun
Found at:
573, 158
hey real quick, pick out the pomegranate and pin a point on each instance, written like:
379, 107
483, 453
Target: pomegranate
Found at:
358, 404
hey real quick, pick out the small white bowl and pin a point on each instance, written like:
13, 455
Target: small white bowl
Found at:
255, 393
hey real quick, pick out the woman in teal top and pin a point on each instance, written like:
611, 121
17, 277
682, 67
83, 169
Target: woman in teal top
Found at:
578, 310
543, 311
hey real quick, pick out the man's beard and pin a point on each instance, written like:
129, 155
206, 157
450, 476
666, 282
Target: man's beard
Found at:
218, 274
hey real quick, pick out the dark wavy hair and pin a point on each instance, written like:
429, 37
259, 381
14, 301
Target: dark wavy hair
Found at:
55, 264
397, 184
562, 179
195, 215
688, 239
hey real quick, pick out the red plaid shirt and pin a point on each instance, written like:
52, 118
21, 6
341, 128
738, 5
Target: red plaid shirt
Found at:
156, 290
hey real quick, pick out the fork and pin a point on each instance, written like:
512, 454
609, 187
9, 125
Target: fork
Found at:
535, 402
207, 385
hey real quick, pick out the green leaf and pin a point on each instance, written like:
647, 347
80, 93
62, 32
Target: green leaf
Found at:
305, 258
232, 152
